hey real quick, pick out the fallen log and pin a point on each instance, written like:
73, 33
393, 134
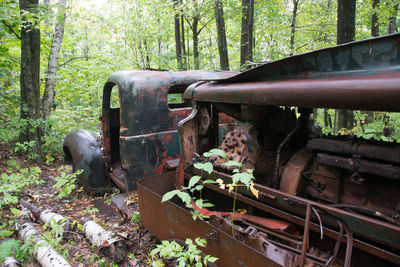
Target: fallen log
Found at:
10, 262
44, 253
114, 248
48, 217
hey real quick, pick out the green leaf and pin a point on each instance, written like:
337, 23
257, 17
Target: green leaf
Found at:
15, 211
215, 151
167, 196
199, 203
209, 182
5, 233
208, 205
194, 180
212, 259
199, 187
208, 167
185, 197
8, 248
243, 177
233, 163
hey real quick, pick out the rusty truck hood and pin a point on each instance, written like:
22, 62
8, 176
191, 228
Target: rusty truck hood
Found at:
360, 75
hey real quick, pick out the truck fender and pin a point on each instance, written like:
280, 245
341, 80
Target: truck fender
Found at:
83, 150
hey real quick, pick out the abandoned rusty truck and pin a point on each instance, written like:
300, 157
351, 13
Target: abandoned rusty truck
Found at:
322, 199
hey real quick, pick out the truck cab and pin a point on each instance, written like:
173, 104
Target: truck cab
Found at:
138, 138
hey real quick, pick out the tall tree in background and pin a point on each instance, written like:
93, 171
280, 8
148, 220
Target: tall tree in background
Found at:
30, 73
178, 45
345, 33
392, 28
246, 40
374, 33
293, 25
49, 91
221, 33
374, 19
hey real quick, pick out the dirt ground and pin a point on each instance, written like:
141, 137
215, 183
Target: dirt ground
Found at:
80, 204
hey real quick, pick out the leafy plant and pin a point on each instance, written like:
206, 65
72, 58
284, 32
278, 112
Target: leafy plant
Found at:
10, 248
188, 255
196, 183
66, 182
244, 178
12, 183
135, 217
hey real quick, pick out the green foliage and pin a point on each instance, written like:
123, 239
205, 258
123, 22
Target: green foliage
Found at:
66, 182
13, 181
196, 184
10, 248
187, 255
135, 217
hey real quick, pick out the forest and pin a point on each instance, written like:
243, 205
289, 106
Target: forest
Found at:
56, 55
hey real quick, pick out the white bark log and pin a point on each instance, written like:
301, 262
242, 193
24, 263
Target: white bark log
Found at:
44, 253
10, 262
47, 216
97, 235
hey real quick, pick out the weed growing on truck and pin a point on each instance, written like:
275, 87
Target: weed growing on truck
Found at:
196, 183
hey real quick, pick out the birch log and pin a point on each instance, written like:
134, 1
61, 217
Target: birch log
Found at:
111, 246
44, 253
10, 262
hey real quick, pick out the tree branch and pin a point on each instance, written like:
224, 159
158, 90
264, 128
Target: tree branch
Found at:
11, 29
198, 32
72, 59
190, 25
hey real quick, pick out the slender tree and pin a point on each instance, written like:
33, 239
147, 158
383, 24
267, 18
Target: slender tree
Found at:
374, 19
184, 54
222, 46
293, 25
178, 45
374, 33
392, 28
49, 91
345, 33
30, 73
195, 34
246, 40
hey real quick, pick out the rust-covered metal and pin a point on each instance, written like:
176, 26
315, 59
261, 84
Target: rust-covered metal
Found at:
139, 136
363, 75
341, 195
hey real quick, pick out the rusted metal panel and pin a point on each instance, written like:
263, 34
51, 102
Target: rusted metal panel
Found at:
361, 75
140, 136
366, 150
83, 149
170, 221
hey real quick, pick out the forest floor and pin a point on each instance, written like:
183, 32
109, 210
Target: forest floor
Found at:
77, 205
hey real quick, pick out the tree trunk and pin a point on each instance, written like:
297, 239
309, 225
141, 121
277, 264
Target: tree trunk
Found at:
177, 37
345, 33
49, 92
374, 19
30, 76
195, 33
293, 25
222, 46
374, 33
246, 40
392, 28
184, 59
